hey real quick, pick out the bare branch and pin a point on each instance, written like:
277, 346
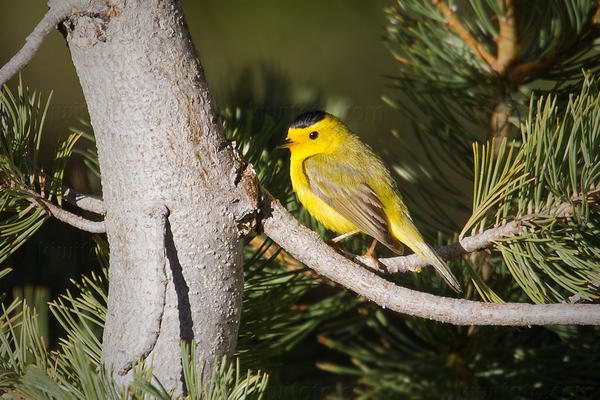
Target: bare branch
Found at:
83, 201
527, 69
73, 197
466, 245
67, 217
56, 14
507, 40
307, 247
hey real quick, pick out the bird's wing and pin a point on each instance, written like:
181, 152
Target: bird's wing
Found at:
345, 189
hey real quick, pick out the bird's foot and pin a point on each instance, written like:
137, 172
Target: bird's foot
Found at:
370, 262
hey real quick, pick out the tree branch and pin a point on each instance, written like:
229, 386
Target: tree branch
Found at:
507, 55
79, 200
466, 245
67, 217
485, 239
507, 41
454, 23
524, 70
308, 248
56, 14
83, 201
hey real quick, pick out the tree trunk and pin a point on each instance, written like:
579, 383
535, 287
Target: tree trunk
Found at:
174, 189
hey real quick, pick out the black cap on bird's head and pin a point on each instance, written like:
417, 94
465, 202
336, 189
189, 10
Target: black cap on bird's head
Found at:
307, 119
304, 121
314, 132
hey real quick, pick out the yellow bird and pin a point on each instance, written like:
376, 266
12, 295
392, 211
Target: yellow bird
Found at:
346, 187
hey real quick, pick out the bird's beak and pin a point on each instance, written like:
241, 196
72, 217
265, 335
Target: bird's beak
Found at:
286, 143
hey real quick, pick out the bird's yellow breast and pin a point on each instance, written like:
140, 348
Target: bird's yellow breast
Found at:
322, 212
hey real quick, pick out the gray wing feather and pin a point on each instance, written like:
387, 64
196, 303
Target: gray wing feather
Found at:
356, 201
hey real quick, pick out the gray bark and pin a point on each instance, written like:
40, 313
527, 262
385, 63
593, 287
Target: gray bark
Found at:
175, 192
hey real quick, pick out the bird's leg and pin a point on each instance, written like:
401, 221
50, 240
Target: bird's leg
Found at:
369, 252
366, 259
333, 242
336, 239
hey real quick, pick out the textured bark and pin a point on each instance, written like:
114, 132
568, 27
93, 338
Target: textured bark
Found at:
174, 190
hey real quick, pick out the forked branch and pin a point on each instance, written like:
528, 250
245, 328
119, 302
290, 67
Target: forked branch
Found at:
506, 61
307, 247
83, 201
68, 217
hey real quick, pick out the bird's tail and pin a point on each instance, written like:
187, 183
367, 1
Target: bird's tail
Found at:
429, 254
409, 235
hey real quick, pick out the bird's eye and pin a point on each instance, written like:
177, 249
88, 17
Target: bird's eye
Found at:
313, 135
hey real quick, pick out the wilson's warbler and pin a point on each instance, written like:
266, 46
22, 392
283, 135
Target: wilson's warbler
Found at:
346, 187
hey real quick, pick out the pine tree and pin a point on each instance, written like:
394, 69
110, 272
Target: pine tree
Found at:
503, 96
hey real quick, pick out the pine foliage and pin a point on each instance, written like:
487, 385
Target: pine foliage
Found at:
22, 180
28, 369
420, 359
518, 122
458, 61
513, 118
551, 185
459, 81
